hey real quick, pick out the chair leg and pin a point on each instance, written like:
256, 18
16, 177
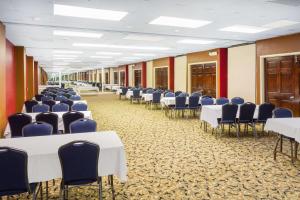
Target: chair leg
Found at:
296, 149
275, 150
237, 126
100, 188
281, 143
292, 151
112, 186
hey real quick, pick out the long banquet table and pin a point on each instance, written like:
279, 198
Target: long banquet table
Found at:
168, 101
87, 114
79, 101
43, 160
211, 113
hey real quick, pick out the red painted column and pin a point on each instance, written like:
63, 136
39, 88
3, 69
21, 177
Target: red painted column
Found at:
126, 75
171, 73
223, 72
144, 74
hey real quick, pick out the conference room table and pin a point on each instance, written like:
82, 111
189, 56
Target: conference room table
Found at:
170, 101
211, 113
43, 160
40, 102
87, 114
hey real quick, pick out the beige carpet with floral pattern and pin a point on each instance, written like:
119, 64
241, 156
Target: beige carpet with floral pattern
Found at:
175, 159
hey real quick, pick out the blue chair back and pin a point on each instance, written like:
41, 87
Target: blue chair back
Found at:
69, 117
60, 107
37, 129
206, 101
72, 93
69, 102
46, 98
50, 103
29, 104
194, 102
136, 93
229, 112
237, 100
38, 97
50, 118
124, 91
177, 93
40, 108
246, 112
180, 102
169, 94
60, 98
265, 112
282, 113
17, 122
183, 94
80, 107
75, 97
156, 97
83, 125
13, 172
222, 101
79, 162
150, 91
198, 94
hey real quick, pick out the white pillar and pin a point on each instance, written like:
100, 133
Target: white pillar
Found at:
59, 78
103, 78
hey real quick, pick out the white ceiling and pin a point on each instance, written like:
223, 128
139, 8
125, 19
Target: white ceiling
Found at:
31, 23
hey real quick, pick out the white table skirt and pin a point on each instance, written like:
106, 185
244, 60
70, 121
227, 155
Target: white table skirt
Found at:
80, 101
211, 113
87, 114
43, 160
87, 88
289, 127
149, 97
169, 101
129, 94
119, 91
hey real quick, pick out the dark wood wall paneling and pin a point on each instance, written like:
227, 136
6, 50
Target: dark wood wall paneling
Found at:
169, 63
161, 78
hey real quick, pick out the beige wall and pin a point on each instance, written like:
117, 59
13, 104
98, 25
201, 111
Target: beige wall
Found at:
241, 72
180, 73
130, 75
149, 73
111, 75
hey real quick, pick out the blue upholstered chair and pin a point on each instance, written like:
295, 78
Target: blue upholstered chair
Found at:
206, 101
38, 97
37, 129
60, 107
80, 107
60, 98
222, 101
237, 100
71, 92
282, 113
79, 165
229, 112
50, 103
17, 122
193, 104
177, 93
69, 117
13, 173
40, 108
29, 104
246, 116
179, 105
198, 94
265, 111
83, 125
136, 95
150, 91
75, 97
69, 102
183, 94
169, 94
156, 98
124, 91
50, 118
46, 98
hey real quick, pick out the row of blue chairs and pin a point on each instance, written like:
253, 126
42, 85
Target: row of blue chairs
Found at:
79, 166
45, 97
19, 120
50, 105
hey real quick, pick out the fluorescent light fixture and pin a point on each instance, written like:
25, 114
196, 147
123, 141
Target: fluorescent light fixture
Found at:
76, 61
179, 22
195, 41
62, 58
109, 53
100, 57
61, 63
120, 46
144, 54
131, 58
89, 13
67, 51
69, 56
143, 37
77, 34
244, 29
280, 24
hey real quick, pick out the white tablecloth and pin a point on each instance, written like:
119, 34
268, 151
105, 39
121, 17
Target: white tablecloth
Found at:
149, 97
170, 101
289, 127
80, 101
211, 113
43, 160
129, 94
119, 91
87, 114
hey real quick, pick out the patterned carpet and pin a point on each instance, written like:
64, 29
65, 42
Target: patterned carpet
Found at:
174, 159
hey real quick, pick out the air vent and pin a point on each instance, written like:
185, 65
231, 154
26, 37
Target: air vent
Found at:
287, 2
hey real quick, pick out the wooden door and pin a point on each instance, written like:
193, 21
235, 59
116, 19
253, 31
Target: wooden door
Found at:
137, 78
161, 78
122, 78
282, 82
116, 77
203, 78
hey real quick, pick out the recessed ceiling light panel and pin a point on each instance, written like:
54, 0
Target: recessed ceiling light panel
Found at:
77, 34
67, 51
195, 41
91, 13
120, 46
179, 22
108, 53
143, 37
280, 24
244, 29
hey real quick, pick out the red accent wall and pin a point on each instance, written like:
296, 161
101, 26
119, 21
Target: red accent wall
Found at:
126, 75
223, 72
10, 79
144, 74
171, 73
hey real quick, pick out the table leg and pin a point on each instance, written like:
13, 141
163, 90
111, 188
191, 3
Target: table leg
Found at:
292, 151
296, 149
275, 150
281, 143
